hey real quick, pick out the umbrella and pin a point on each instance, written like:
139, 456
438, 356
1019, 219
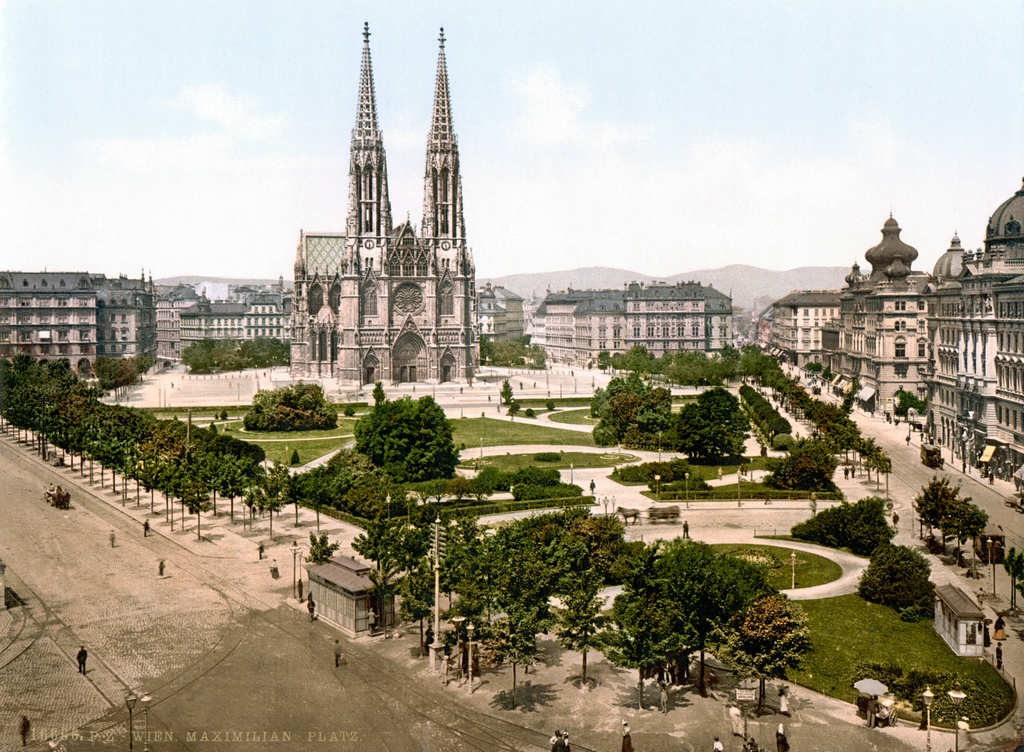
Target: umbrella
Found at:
871, 687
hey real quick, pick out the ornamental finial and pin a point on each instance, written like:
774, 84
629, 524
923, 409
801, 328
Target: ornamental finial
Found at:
366, 32
441, 38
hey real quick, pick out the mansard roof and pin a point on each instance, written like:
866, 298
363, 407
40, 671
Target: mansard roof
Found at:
810, 298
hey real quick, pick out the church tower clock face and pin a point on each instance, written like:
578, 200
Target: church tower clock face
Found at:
408, 298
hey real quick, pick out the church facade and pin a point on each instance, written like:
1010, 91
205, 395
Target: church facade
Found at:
379, 301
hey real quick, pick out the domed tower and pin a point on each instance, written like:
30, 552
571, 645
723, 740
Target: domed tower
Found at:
892, 258
855, 277
1004, 234
950, 263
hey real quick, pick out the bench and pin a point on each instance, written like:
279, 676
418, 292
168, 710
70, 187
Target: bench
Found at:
663, 514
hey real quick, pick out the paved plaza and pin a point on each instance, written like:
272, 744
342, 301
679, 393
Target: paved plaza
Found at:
224, 649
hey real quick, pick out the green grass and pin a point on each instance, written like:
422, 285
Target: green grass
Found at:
579, 460
847, 630
574, 417
345, 427
473, 431
281, 451
811, 569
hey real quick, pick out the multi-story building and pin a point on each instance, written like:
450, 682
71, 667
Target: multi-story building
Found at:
169, 306
576, 326
378, 302
214, 320
880, 339
797, 321
49, 315
268, 314
765, 325
976, 334
126, 323
500, 313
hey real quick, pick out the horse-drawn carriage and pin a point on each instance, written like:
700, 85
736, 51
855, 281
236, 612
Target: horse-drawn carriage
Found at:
58, 497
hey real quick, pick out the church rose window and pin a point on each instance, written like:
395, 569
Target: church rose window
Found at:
408, 299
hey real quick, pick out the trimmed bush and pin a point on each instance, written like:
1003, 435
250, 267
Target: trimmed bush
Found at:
861, 527
550, 404
644, 473
295, 457
782, 442
548, 456
897, 577
529, 413
526, 491
348, 411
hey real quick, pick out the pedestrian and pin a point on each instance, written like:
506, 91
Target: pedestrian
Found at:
592, 486
113, 538
428, 638
846, 472
908, 439
145, 529
162, 565
83, 654
781, 742
260, 551
557, 742
627, 740
895, 519
999, 628
783, 700
565, 739
717, 746
26, 726
337, 653
664, 696
686, 529
999, 656
311, 607
872, 710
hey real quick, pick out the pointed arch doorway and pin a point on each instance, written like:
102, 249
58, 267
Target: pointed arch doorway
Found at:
409, 359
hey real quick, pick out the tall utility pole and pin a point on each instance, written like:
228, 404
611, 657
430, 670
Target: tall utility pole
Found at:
437, 590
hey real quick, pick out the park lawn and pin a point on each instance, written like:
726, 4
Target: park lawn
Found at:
476, 432
848, 630
574, 417
579, 460
280, 452
811, 569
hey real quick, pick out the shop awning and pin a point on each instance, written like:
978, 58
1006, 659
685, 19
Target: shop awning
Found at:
865, 393
986, 456
1019, 475
848, 387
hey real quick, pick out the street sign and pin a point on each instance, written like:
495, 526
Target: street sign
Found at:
746, 695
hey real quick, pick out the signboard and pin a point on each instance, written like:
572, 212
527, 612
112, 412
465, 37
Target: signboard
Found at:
746, 695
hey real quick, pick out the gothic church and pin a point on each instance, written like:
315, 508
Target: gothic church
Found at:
377, 302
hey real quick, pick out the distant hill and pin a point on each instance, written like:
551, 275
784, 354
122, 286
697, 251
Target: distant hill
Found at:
746, 283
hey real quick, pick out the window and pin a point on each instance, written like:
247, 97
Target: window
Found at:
921, 350
901, 349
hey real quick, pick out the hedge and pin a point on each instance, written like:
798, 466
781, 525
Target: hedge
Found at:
766, 494
763, 414
669, 471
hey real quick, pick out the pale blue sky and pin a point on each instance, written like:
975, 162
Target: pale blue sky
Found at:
199, 137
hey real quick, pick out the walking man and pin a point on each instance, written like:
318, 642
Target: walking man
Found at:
83, 654
592, 486
113, 538
26, 725
999, 656
337, 653
311, 607
664, 696
686, 529
145, 529
717, 746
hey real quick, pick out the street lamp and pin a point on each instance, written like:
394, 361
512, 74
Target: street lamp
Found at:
570, 473
469, 632
928, 696
145, 700
457, 621
792, 562
992, 559
657, 485
295, 554
605, 502
956, 697
130, 700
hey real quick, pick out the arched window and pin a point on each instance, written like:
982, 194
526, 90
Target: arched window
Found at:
901, 348
369, 300
334, 299
316, 299
447, 299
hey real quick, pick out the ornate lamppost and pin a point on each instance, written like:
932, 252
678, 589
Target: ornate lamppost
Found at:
928, 696
956, 696
457, 621
130, 700
145, 700
792, 562
295, 554
469, 633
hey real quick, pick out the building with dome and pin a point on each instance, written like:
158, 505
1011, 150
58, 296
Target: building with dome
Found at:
976, 330
879, 342
381, 301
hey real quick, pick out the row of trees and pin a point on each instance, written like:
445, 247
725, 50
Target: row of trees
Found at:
685, 368
234, 355
515, 353
117, 374
940, 505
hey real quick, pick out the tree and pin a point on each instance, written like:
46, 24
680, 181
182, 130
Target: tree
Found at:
898, 577
380, 543
809, 466
321, 549
279, 491
1013, 563
630, 411
932, 502
410, 441
861, 527
635, 630
766, 639
706, 589
713, 428
506, 393
963, 520
302, 407
515, 639
193, 490
580, 620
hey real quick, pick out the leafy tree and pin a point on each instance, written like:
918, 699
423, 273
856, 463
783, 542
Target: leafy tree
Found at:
278, 492
380, 543
898, 577
766, 639
636, 629
193, 490
580, 620
933, 500
963, 521
506, 393
712, 428
410, 441
706, 589
631, 412
905, 400
321, 549
1013, 563
515, 639
809, 466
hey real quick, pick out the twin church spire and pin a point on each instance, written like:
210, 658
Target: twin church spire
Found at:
369, 203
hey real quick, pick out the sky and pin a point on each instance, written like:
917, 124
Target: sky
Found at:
199, 137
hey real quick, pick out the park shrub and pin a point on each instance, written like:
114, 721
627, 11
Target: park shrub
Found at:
670, 470
985, 704
782, 442
528, 491
862, 527
348, 411
492, 480
302, 407
529, 413
295, 457
548, 456
550, 404
898, 577
224, 414
695, 483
